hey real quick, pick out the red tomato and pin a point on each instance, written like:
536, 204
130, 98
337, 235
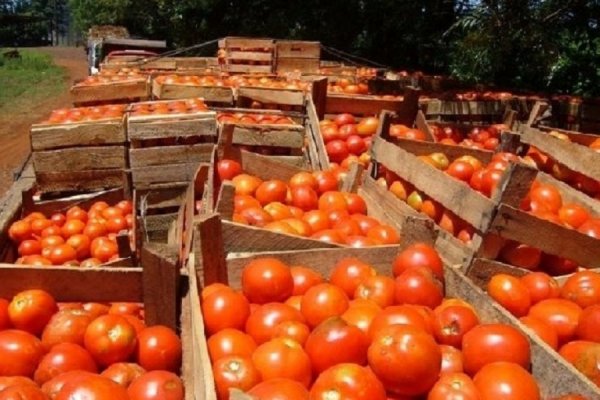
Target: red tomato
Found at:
344, 119
356, 144
587, 329
562, 315
582, 288
304, 278
544, 330
230, 342
270, 191
347, 381
54, 386
419, 254
7, 381
398, 315
266, 280
18, 392
20, 353
546, 197
333, 201
418, 286
4, 317
511, 293
283, 358
159, 385
361, 315
96, 309
262, 323
337, 150
573, 215
506, 381
378, 288
334, 342
110, 339
295, 330
454, 386
302, 179
540, 286
228, 169
452, 360
348, 273
488, 343
326, 181
31, 310
92, 387
225, 309
406, 359
461, 170
29, 247
279, 389
383, 234
123, 373
63, 358
246, 184
304, 197
234, 372
159, 347
452, 323
323, 301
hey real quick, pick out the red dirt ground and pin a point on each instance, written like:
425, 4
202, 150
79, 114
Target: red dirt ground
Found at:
14, 126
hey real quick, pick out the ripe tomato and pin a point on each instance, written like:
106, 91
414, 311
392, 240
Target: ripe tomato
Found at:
159, 385
555, 265
348, 273
225, 309
7, 381
266, 280
582, 288
540, 286
295, 330
28, 392
96, 309
321, 302
587, 329
506, 381
72, 227
488, 343
103, 249
511, 293
246, 184
54, 386
562, 315
585, 356
31, 310
20, 230
303, 179
406, 359
4, 317
378, 288
521, 255
326, 181
545, 197
63, 358
228, 169
419, 254
454, 386
383, 234
134, 309
348, 381
304, 197
573, 215
452, 360
20, 353
279, 389
283, 358
270, 191
329, 236
337, 150
256, 216
159, 347
304, 278
333, 342
123, 373
398, 315
234, 372
418, 286
544, 330
262, 323
110, 339
29, 247
94, 230
461, 170
81, 243
317, 219
333, 201
365, 222
451, 323
77, 212
230, 342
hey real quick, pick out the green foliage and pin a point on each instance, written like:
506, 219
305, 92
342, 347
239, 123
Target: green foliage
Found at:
98, 12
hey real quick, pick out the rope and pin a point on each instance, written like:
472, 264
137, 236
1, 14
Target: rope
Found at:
179, 51
347, 57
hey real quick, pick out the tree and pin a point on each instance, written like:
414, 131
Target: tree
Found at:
87, 13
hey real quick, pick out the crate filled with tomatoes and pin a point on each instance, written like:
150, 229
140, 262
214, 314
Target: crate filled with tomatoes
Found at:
80, 148
168, 140
334, 322
213, 89
111, 87
247, 55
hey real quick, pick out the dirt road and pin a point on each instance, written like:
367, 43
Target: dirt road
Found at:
14, 125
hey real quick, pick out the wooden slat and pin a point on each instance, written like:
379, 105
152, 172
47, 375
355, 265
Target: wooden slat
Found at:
273, 95
210, 94
184, 154
171, 127
291, 136
306, 65
139, 89
46, 136
298, 49
359, 105
249, 69
161, 284
249, 56
169, 173
80, 159
247, 43
419, 148
482, 270
80, 180
317, 138
265, 167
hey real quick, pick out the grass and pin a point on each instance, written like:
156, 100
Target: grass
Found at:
32, 77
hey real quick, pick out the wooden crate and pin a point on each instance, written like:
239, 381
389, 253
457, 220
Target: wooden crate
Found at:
298, 56
123, 92
210, 265
485, 111
218, 95
363, 105
284, 99
248, 55
79, 156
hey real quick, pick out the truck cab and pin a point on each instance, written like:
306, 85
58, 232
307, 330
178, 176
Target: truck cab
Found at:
99, 49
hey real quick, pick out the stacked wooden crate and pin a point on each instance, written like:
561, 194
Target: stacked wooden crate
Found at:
247, 55
300, 56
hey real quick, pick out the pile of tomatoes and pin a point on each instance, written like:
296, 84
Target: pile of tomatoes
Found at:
188, 106
308, 205
483, 138
348, 140
108, 76
78, 237
232, 81
566, 317
289, 333
51, 351
84, 114
254, 119
404, 132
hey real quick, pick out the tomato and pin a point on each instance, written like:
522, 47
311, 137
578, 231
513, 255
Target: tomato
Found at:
398, 315
546, 197
344, 119
416, 255
488, 343
348, 273
582, 288
126, 206
63, 358
418, 286
333, 201
326, 181
246, 184
321, 302
77, 212
234, 372
94, 230
347, 381
562, 315
452, 360
365, 222
225, 309
279, 389
334, 341
461, 170
304, 278
361, 315
317, 219
96, 309
367, 126
356, 204
58, 219
72, 227
134, 309
452, 323
329, 236
521, 255
587, 329
103, 249
278, 211
20, 353
157, 385
110, 339
31, 310
543, 330
295, 330
454, 386
256, 216
356, 144
555, 265
591, 228
123, 373
303, 179
540, 286
585, 356
159, 347
18, 392
406, 359
506, 381
116, 224
337, 150
266, 280
20, 230
7, 381
573, 215
377, 288
270, 191
511, 293
304, 197
383, 234
29, 247
262, 323
230, 342
228, 169
490, 180
283, 358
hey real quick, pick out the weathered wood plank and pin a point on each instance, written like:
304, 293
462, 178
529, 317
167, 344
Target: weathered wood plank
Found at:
184, 154
80, 159
47, 136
